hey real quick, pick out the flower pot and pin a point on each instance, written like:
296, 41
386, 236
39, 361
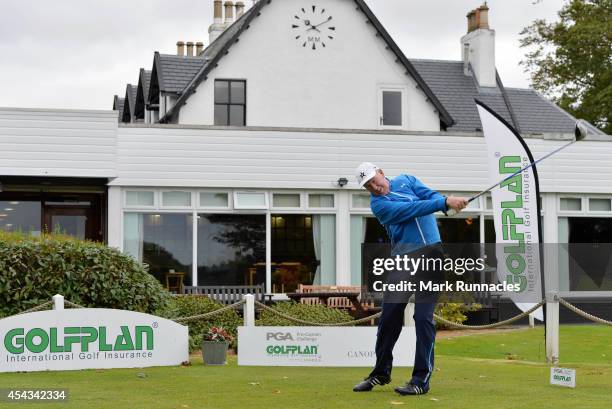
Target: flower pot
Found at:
214, 353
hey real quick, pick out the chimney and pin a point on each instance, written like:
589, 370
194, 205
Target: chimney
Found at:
239, 9
189, 48
478, 47
180, 48
199, 47
217, 27
229, 13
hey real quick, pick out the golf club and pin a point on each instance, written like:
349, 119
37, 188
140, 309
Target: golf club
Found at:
580, 132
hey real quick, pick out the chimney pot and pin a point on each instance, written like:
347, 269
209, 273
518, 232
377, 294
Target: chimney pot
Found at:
180, 48
483, 16
189, 48
229, 13
239, 9
199, 47
218, 16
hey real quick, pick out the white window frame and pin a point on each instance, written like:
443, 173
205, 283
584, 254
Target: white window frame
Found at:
229, 206
237, 206
161, 199
358, 210
301, 195
404, 100
320, 209
598, 212
571, 212
155, 199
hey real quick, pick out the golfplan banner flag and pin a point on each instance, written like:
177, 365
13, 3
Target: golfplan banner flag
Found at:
515, 209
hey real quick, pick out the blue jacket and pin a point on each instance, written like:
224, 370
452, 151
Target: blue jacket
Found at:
407, 213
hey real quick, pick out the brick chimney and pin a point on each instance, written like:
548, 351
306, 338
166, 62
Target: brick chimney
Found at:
217, 27
180, 48
478, 47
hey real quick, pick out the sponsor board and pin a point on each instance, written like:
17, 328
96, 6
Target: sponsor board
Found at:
318, 346
563, 377
90, 338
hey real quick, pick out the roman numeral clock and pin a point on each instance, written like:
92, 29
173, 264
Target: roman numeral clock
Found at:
313, 27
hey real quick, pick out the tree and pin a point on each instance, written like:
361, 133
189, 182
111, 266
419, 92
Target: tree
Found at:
570, 60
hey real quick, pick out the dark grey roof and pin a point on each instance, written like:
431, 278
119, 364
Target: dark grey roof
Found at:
218, 48
129, 103
143, 83
457, 92
174, 72
118, 105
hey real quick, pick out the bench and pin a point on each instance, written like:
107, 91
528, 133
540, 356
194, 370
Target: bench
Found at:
228, 294
339, 302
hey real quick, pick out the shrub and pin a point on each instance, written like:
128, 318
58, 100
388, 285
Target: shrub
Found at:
454, 312
188, 305
312, 313
33, 269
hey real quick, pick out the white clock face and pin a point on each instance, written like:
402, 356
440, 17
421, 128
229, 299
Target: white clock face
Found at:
313, 27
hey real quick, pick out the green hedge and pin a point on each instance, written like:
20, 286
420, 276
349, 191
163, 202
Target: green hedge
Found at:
189, 305
312, 313
33, 269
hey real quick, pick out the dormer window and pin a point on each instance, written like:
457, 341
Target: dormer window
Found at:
230, 102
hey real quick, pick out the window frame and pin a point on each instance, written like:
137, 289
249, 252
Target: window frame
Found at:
229, 104
393, 88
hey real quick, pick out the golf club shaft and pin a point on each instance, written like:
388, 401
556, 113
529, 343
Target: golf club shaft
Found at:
518, 172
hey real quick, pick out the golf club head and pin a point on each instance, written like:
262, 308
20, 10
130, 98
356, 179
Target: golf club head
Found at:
581, 130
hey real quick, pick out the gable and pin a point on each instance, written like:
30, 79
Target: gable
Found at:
323, 83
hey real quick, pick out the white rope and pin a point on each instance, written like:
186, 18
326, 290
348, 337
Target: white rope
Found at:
583, 314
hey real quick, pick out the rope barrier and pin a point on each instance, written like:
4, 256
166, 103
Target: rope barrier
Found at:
37, 308
582, 313
209, 314
73, 305
494, 325
316, 324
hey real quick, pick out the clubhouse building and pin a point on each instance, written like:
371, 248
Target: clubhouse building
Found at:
231, 162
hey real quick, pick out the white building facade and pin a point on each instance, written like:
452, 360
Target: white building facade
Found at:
245, 175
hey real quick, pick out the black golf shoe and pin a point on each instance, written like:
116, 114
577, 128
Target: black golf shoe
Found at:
370, 382
411, 389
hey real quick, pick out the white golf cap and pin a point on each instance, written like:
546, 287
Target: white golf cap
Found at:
365, 172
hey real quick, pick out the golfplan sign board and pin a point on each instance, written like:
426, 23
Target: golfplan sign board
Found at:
318, 346
89, 338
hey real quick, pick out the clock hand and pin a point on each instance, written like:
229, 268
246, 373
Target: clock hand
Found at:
323, 22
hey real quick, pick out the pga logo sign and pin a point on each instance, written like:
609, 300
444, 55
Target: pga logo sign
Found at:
279, 336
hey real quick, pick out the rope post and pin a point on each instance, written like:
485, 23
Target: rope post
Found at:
58, 302
531, 321
552, 328
249, 310
409, 313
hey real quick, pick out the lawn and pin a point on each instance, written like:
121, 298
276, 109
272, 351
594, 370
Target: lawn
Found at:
500, 370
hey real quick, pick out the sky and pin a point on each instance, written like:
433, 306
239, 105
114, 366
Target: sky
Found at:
79, 53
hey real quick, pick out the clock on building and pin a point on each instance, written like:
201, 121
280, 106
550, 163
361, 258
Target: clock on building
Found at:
313, 27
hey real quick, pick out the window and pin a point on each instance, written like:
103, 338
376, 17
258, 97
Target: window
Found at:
176, 199
214, 199
391, 109
361, 201
599, 205
320, 201
286, 200
138, 198
230, 103
570, 204
250, 200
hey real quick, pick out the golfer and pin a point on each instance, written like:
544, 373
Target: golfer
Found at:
405, 207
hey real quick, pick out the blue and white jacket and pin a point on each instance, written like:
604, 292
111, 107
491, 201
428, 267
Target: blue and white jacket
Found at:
407, 213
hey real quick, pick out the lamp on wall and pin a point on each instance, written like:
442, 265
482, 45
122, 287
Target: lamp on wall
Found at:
342, 182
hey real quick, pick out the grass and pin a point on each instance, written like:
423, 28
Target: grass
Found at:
501, 370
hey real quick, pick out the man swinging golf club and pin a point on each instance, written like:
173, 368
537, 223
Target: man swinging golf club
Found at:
405, 207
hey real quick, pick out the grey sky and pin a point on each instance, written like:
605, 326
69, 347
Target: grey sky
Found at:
78, 54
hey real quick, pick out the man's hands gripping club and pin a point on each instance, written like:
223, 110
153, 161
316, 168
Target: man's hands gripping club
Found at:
456, 204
